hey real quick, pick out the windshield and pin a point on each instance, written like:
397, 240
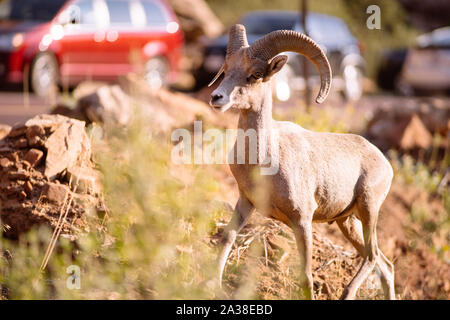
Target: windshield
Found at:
30, 10
438, 38
327, 30
263, 24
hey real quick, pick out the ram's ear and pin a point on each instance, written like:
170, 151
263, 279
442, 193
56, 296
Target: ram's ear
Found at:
274, 66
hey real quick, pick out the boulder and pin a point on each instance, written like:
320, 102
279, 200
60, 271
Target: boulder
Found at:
106, 103
415, 135
64, 147
34, 156
56, 193
411, 126
35, 174
84, 180
34, 135
5, 163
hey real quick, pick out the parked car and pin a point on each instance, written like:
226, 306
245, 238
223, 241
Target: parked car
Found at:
343, 53
331, 33
423, 68
51, 42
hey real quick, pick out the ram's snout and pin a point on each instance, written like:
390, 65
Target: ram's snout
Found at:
220, 99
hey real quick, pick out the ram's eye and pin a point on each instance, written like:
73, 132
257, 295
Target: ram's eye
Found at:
251, 78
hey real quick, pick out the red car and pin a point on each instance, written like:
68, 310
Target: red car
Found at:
62, 42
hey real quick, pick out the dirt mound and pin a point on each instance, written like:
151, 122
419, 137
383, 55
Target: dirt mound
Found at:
410, 126
45, 163
420, 273
277, 264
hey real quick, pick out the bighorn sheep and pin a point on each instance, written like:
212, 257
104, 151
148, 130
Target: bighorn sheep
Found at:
322, 177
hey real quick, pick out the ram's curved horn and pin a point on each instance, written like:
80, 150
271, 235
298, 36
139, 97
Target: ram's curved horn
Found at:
279, 41
237, 39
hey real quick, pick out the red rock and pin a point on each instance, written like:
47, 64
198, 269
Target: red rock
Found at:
34, 130
11, 190
84, 180
57, 193
34, 135
35, 141
65, 146
21, 143
4, 130
5, 163
26, 164
34, 156
17, 131
415, 135
61, 144
28, 187
18, 175
409, 127
12, 204
107, 103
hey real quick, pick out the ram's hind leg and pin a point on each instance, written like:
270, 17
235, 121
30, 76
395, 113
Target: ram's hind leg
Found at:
387, 276
352, 229
368, 214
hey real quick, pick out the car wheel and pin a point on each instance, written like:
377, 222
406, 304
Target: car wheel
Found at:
44, 75
156, 71
353, 86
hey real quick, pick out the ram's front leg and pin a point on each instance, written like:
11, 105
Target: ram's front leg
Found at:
303, 235
242, 212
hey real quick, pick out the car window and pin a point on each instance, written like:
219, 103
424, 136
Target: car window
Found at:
119, 12
438, 38
263, 24
30, 10
326, 30
442, 39
155, 15
82, 12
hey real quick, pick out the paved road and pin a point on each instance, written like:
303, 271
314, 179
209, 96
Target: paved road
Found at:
17, 107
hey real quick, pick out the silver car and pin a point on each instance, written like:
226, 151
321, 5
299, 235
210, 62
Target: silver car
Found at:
343, 53
331, 33
427, 65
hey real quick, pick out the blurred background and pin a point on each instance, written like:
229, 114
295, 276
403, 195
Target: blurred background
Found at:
96, 60
49, 47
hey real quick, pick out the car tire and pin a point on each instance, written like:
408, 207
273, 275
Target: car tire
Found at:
156, 72
44, 74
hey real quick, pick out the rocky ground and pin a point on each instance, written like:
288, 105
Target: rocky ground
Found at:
47, 174
46, 170
420, 273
